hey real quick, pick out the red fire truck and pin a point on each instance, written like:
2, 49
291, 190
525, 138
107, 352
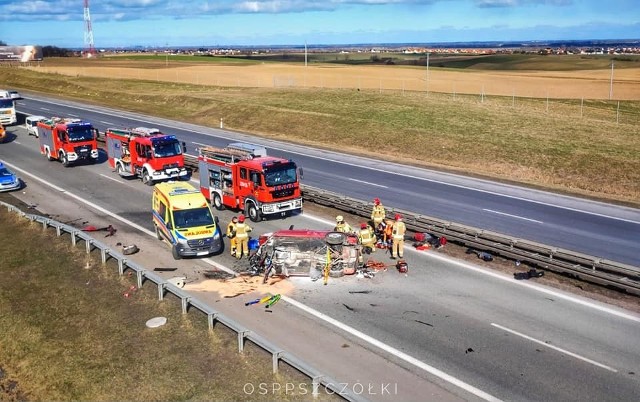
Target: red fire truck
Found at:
258, 185
146, 153
68, 140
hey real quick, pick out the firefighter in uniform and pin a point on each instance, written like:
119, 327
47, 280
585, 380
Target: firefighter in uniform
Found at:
367, 238
242, 237
399, 229
387, 232
231, 234
378, 213
342, 226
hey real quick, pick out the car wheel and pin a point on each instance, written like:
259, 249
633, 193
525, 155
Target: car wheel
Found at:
217, 202
253, 213
335, 238
175, 254
146, 178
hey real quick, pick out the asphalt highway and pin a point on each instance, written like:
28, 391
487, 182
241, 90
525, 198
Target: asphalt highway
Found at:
448, 329
594, 228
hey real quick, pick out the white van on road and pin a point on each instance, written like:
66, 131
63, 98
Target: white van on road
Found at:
31, 124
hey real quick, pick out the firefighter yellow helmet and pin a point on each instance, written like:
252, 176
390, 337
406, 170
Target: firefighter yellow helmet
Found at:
339, 218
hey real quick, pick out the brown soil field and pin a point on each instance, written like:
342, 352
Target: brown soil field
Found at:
579, 84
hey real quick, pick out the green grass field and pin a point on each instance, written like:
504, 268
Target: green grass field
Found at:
584, 147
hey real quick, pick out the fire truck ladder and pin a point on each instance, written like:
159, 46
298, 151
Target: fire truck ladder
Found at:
136, 132
225, 155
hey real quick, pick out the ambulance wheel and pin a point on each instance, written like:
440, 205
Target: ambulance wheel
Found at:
49, 155
146, 178
64, 160
175, 254
253, 212
158, 235
217, 202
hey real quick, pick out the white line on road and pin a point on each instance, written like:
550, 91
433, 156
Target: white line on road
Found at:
366, 182
389, 349
44, 108
111, 214
566, 352
512, 216
108, 123
111, 178
373, 341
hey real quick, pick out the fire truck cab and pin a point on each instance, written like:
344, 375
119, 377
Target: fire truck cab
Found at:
68, 140
145, 153
260, 186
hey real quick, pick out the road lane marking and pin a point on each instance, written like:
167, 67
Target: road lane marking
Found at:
566, 352
512, 216
108, 123
324, 158
344, 327
366, 182
393, 351
44, 108
111, 214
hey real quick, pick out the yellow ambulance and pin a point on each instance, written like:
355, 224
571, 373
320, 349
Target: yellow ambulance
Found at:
182, 216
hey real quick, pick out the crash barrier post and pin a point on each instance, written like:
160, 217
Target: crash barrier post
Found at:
187, 301
580, 266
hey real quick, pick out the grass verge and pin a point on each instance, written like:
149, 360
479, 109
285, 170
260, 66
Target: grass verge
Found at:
69, 334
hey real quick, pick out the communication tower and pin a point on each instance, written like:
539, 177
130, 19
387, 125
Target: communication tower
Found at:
89, 49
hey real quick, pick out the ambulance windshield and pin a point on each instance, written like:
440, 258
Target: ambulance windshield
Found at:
188, 218
80, 133
281, 174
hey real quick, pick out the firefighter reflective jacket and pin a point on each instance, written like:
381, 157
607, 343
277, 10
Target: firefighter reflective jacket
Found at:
242, 230
378, 214
399, 230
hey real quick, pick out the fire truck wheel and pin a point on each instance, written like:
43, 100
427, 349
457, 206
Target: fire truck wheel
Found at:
217, 202
64, 160
175, 254
253, 212
119, 169
49, 155
146, 178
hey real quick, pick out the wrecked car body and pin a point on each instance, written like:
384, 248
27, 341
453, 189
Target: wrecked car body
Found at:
306, 253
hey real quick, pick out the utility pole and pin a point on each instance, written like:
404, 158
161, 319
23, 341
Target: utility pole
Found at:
166, 54
611, 83
427, 73
305, 53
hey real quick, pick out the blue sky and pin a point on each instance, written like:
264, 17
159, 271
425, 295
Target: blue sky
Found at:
294, 22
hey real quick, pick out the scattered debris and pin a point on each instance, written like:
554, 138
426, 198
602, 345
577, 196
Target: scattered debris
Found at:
469, 350
178, 281
110, 229
130, 249
424, 323
164, 269
483, 255
216, 274
402, 266
273, 301
359, 291
232, 296
268, 311
156, 322
532, 273
348, 308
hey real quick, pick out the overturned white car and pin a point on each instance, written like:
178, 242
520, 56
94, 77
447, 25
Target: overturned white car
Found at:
306, 253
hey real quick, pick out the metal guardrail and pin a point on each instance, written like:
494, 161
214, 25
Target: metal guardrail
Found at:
277, 354
580, 266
